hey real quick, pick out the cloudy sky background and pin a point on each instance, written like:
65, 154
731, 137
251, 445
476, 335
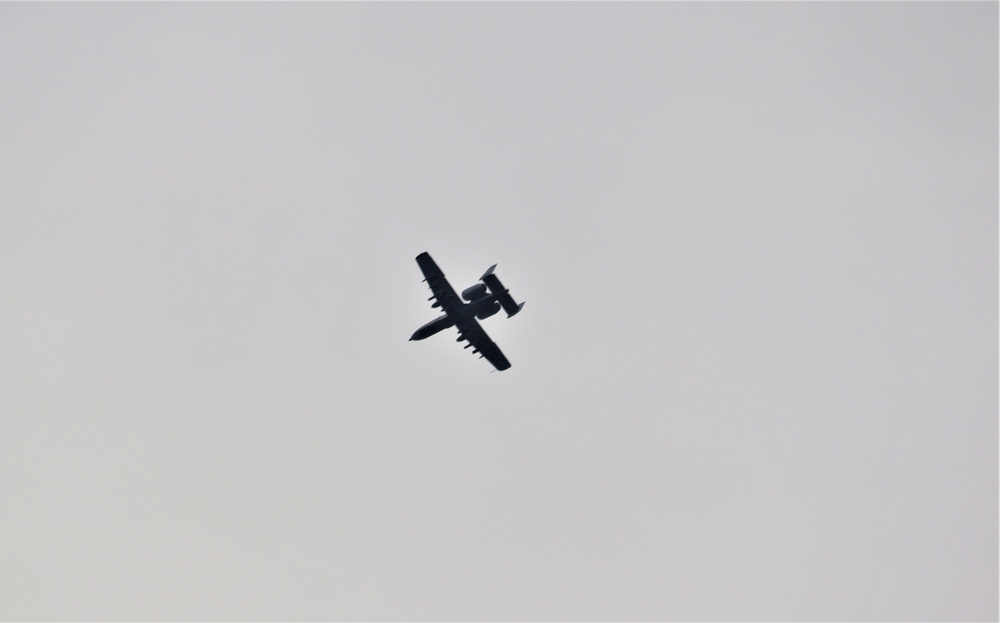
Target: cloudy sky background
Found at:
755, 378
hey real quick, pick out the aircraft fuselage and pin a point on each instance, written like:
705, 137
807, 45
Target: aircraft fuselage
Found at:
443, 322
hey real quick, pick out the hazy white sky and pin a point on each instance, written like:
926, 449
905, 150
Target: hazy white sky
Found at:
756, 376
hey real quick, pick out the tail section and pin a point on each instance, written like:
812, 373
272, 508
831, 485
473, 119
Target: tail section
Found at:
503, 295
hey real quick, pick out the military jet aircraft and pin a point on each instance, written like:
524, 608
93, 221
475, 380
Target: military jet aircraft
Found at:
483, 300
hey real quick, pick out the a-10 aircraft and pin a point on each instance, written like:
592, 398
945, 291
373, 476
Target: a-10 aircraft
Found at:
483, 300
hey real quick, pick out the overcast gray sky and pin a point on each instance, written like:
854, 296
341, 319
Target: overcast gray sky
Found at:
755, 378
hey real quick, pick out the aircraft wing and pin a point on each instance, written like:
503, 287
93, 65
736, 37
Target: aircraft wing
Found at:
471, 331
446, 297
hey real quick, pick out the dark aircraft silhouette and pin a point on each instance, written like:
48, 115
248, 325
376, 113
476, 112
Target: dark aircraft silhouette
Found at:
481, 304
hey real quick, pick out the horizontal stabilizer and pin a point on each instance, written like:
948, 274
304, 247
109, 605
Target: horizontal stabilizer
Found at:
503, 296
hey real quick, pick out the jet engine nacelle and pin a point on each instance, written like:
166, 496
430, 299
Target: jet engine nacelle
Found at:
474, 293
488, 311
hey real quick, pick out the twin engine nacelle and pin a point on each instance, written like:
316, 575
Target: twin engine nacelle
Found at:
474, 293
488, 310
